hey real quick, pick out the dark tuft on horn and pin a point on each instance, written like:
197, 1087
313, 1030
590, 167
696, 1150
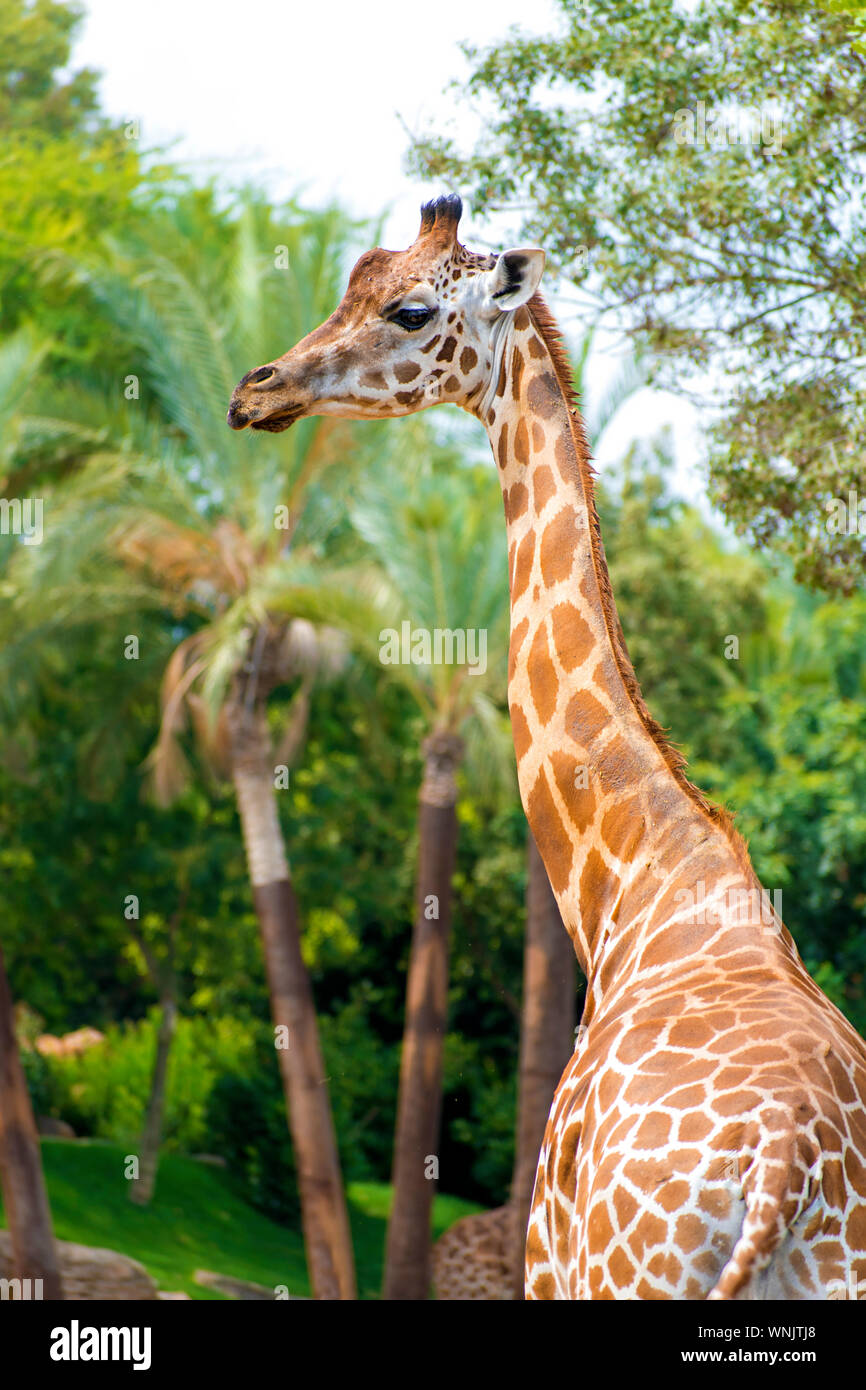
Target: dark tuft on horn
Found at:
441, 213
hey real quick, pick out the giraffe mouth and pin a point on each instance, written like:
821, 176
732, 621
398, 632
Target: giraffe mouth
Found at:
279, 421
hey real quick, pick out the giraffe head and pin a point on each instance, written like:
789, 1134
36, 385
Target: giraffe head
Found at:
415, 328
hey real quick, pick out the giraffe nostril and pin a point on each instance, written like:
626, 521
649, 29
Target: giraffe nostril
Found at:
263, 374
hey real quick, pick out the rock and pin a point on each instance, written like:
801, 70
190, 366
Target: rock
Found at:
170, 1297
89, 1273
52, 1128
234, 1288
70, 1045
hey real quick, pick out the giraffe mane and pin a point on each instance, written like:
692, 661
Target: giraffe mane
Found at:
546, 325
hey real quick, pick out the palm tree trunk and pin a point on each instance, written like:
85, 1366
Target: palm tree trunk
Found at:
419, 1102
546, 1038
324, 1217
24, 1197
141, 1191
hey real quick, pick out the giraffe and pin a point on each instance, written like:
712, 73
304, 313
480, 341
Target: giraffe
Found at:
707, 1139
472, 1261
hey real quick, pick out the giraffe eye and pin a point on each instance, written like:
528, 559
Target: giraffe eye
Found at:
414, 316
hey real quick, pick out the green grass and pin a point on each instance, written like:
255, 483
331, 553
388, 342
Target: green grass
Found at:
197, 1221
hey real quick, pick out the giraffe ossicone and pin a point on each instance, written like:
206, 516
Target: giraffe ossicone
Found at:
708, 1137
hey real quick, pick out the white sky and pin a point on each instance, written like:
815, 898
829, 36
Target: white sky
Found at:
316, 98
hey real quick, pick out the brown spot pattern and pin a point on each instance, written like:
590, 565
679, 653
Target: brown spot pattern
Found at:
520, 731
585, 717
558, 546
406, 371
598, 887
553, 842
579, 800
374, 379
563, 452
572, 636
502, 446
543, 486
518, 637
543, 395
446, 352
617, 766
543, 681
516, 372
521, 442
622, 826
516, 501
523, 565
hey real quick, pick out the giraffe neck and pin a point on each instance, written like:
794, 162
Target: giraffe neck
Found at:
615, 820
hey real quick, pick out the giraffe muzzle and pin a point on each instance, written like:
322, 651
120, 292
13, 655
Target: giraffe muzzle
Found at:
250, 406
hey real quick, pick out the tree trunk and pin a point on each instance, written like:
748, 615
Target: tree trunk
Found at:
546, 1037
24, 1197
324, 1217
419, 1101
141, 1191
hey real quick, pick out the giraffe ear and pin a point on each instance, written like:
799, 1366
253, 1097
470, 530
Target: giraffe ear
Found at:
515, 277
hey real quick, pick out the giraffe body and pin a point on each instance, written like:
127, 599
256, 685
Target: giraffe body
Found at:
472, 1260
708, 1137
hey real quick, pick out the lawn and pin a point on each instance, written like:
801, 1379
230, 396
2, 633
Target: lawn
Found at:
197, 1221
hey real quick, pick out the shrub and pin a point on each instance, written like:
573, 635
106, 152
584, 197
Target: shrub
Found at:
246, 1124
104, 1091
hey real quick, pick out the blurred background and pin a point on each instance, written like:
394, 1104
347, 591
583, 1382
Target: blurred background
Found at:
182, 196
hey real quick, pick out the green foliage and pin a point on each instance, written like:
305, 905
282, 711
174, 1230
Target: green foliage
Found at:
40, 1081
65, 174
103, 1092
680, 595
36, 89
246, 1125
745, 252
796, 774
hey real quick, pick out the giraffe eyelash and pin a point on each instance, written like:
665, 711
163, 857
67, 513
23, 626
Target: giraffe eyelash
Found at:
412, 317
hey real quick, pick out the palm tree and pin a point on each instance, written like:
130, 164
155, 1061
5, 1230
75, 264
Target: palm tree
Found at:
435, 539
171, 514
546, 1039
21, 1178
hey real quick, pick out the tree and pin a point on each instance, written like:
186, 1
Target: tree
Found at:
546, 1039
163, 973
794, 769
66, 172
687, 600
181, 521
23, 1184
698, 172
444, 529
433, 611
